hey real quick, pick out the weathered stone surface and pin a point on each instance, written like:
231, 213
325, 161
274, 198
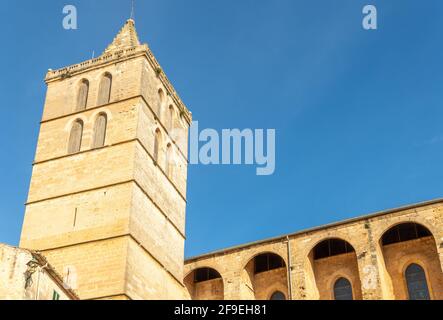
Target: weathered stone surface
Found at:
26, 275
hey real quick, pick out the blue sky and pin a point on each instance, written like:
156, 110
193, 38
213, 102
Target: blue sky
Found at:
358, 114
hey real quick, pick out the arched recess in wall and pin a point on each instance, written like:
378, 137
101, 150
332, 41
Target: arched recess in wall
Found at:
82, 95
100, 128
171, 118
75, 137
160, 103
333, 259
104, 91
264, 275
157, 145
205, 284
412, 244
169, 163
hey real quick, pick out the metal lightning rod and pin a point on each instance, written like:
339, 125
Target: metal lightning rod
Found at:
132, 9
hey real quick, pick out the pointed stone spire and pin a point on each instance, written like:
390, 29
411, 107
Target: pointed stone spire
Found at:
125, 39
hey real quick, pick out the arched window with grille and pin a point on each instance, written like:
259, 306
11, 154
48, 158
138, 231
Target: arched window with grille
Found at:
82, 95
100, 131
75, 138
417, 284
343, 289
278, 296
104, 91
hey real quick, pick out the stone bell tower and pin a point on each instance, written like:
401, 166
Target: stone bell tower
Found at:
107, 197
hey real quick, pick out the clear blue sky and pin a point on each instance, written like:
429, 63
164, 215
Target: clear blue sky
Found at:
358, 113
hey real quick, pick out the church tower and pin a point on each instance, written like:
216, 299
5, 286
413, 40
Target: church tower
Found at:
107, 197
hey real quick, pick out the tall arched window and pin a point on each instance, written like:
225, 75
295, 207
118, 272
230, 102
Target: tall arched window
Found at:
416, 281
169, 160
161, 102
171, 118
100, 131
82, 96
75, 138
278, 296
343, 289
157, 144
104, 92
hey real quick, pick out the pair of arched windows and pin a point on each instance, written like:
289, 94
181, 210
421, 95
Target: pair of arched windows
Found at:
169, 159
76, 135
415, 280
170, 115
104, 92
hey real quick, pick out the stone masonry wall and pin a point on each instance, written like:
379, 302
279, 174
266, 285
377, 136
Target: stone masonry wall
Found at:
375, 272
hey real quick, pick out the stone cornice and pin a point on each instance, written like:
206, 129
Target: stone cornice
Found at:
117, 56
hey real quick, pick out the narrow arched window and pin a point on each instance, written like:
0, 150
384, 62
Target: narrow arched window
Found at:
278, 296
169, 160
343, 289
416, 281
75, 138
161, 102
171, 118
104, 92
82, 95
100, 131
157, 144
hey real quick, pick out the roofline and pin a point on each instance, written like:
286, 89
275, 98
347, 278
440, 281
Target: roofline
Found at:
54, 275
322, 227
52, 272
